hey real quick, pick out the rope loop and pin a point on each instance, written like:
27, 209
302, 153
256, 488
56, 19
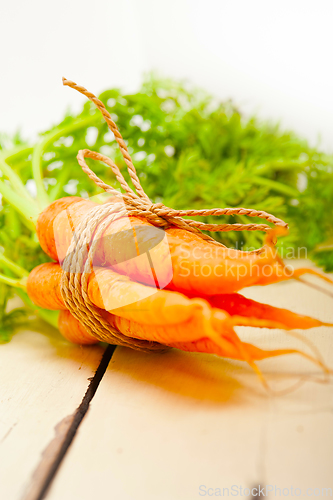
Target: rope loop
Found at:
158, 214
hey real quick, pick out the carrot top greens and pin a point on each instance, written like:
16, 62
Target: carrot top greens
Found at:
190, 152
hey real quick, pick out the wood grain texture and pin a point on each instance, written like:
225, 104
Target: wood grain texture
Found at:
43, 379
162, 425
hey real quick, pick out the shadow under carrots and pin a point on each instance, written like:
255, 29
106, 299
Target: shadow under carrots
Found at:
196, 376
193, 375
209, 378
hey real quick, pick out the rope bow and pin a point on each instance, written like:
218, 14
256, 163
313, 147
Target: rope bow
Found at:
158, 214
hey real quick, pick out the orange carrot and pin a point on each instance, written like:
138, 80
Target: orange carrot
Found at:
229, 346
73, 330
44, 228
230, 351
136, 302
182, 261
43, 286
236, 304
113, 292
166, 317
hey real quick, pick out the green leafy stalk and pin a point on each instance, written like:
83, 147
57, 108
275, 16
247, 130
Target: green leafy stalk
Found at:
55, 191
42, 196
9, 264
12, 281
20, 286
28, 209
275, 186
17, 153
50, 317
14, 179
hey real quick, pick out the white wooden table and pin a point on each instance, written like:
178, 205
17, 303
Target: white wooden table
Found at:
174, 426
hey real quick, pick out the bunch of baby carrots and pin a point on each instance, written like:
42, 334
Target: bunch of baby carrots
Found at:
196, 309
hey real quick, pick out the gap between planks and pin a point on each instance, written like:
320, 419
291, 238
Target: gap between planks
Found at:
65, 432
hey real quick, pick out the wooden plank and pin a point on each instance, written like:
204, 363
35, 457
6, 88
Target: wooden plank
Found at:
43, 380
161, 426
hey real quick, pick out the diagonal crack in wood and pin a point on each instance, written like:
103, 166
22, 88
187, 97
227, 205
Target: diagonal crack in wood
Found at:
65, 431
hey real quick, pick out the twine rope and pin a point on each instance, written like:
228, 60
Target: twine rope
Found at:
156, 212
77, 265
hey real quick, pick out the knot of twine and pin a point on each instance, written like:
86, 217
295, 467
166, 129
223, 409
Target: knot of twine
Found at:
78, 262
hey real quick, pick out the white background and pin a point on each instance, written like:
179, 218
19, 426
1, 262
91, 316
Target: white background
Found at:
273, 58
